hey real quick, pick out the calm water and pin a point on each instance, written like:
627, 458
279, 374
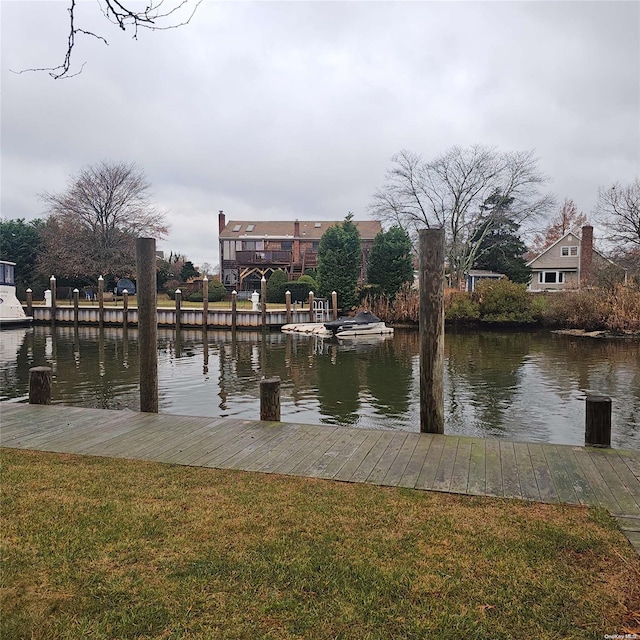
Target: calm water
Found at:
524, 386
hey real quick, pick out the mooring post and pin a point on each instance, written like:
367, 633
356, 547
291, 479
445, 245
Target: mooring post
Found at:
101, 300
147, 323
52, 287
270, 399
125, 308
597, 426
287, 299
431, 244
334, 304
234, 310
178, 308
205, 302
263, 300
76, 305
311, 298
29, 302
40, 385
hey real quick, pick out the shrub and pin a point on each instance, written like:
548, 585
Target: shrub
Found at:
276, 286
217, 290
299, 290
503, 301
460, 307
307, 279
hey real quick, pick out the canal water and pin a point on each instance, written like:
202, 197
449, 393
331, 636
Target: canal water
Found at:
526, 386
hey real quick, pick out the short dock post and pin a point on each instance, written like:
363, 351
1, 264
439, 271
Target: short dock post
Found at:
287, 299
334, 304
234, 310
205, 302
431, 252
29, 302
270, 399
147, 323
263, 300
178, 308
52, 287
40, 385
597, 428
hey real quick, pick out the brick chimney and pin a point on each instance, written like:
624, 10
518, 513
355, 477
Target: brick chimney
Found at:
586, 254
295, 258
296, 229
221, 221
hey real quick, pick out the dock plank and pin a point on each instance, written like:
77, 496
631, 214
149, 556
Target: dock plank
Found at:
493, 469
387, 458
416, 462
370, 460
349, 468
427, 475
442, 480
544, 479
510, 477
528, 482
460, 474
623, 497
477, 481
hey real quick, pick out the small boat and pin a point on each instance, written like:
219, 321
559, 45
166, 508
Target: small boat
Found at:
363, 323
11, 312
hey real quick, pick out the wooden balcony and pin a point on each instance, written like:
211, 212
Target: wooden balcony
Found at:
263, 257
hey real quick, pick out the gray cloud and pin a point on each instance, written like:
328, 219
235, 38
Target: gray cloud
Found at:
280, 109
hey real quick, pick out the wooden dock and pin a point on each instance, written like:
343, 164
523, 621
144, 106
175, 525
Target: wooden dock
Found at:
609, 478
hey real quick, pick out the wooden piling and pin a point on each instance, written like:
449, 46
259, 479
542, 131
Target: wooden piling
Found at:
40, 385
270, 399
311, 299
178, 308
125, 308
597, 427
52, 287
234, 310
263, 300
101, 300
205, 302
334, 304
287, 299
147, 323
431, 248
29, 302
76, 306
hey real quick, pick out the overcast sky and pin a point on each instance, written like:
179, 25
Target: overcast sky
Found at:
283, 110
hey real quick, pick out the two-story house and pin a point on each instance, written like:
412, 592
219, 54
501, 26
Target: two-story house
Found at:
251, 250
568, 263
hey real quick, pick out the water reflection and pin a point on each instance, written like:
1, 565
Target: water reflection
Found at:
526, 386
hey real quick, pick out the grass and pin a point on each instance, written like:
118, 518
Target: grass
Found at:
103, 548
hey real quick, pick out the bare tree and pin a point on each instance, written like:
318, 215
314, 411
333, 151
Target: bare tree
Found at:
618, 210
567, 219
157, 15
462, 190
93, 225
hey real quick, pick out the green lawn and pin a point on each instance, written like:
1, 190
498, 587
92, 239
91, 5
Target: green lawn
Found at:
102, 548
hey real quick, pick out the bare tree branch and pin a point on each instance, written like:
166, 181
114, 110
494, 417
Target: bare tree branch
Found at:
120, 14
618, 210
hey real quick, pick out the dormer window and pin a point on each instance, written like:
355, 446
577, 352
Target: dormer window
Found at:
569, 251
251, 227
237, 228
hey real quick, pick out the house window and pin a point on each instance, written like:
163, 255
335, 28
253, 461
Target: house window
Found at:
251, 227
569, 251
237, 227
286, 245
551, 277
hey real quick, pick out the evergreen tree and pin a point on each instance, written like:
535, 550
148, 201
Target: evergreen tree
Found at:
390, 262
502, 250
339, 258
21, 242
188, 271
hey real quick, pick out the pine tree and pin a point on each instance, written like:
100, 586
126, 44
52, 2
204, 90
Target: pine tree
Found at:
390, 261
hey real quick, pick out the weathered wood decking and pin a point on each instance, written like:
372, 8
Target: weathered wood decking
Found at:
609, 478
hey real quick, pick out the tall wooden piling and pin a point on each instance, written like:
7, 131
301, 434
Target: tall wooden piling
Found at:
100, 300
52, 287
76, 305
597, 428
40, 385
287, 300
270, 399
29, 302
234, 310
178, 308
263, 300
125, 309
147, 323
334, 304
311, 299
205, 302
431, 247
